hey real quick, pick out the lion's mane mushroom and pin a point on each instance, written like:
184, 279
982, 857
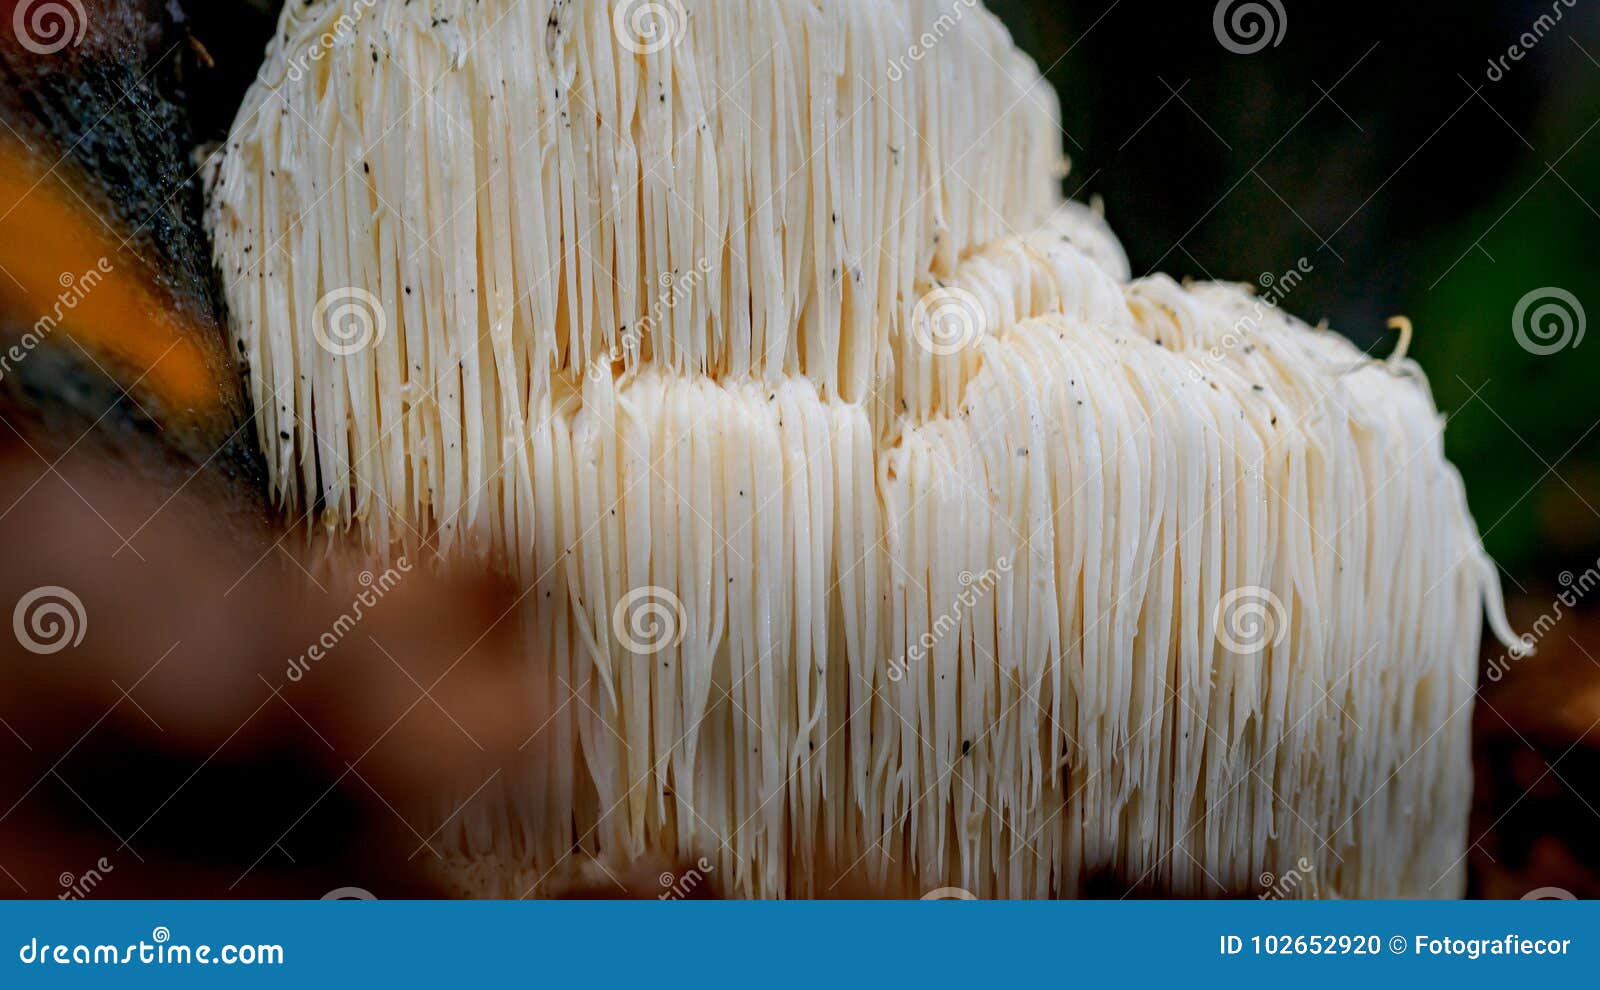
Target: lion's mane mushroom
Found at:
869, 515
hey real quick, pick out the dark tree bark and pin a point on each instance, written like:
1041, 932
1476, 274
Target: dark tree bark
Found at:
111, 316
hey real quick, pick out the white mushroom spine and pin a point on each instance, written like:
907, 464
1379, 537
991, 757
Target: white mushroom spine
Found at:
773, 323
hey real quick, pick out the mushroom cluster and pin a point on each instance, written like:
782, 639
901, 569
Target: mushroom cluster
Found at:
869, 516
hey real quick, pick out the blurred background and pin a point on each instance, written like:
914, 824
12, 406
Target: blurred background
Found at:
1438, 159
